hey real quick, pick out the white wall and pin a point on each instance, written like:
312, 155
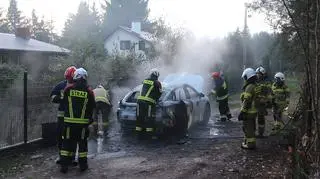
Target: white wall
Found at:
112, 44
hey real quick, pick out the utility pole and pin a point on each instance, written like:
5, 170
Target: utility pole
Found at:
245, 35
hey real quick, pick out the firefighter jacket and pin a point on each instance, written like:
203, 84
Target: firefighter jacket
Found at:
280, 95
263, 91
57, 96
248, 98
151, 91
101, 95
79, 104
221, 89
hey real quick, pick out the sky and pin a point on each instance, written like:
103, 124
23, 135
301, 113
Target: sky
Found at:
206, 18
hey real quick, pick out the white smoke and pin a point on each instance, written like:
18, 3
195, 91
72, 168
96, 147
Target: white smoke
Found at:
194, 56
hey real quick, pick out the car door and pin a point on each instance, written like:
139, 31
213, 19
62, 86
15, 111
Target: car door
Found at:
195, 99
129, 106
182, 112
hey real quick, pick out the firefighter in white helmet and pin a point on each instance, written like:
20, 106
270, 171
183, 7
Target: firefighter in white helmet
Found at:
280, 99
146, 105
248, 111
80, 103
263, 99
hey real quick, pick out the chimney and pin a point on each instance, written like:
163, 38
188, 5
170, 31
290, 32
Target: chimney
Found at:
136, 27
23, 32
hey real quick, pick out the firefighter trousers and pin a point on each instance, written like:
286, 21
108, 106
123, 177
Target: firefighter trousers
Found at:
277, 115
224, 109
277, 112
248, 127
73, 135
146, 114
103, 109
59, 132
262, 112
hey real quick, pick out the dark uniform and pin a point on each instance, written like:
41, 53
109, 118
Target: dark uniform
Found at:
248, 114
221, 92
57, 97
79, 100
280, 100
263, 98
146, 106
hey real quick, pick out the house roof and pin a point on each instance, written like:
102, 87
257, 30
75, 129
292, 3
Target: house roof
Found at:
142, 35
11, 42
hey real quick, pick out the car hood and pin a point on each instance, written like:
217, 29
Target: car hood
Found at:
175, 79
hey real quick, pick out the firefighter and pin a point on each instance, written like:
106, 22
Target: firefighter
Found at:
263, 98
221, 92
56, 97
146, 105
79, 105
248, 111
103, 105
280, 99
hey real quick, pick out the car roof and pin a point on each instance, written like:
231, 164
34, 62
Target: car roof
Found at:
182, 79
165, 86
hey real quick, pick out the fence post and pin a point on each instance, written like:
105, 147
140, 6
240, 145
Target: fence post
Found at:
25, 107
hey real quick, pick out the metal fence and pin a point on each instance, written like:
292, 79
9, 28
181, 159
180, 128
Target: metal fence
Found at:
24, 107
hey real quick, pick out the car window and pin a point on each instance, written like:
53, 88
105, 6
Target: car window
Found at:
180, 94
172, 96
133, 97
192, 93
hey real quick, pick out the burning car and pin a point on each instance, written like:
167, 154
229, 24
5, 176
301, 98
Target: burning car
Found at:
181, 105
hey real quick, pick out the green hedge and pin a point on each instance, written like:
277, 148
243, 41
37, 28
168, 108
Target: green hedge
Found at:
9, 73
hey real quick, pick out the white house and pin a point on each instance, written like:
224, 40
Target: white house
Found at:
126, 40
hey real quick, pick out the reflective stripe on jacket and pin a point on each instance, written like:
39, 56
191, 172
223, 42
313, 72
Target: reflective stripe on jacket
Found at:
57, 94
101, 95
221, 91
79, 105
280, 94
263, 91
248, 98
151, 91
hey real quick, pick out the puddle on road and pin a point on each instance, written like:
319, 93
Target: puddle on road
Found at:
214, 132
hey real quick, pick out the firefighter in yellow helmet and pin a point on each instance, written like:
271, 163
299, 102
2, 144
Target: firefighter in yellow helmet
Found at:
103, 105
248, 111
263, 98
280, 99
146, 105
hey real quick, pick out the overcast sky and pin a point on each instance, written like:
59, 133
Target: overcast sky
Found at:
214, 18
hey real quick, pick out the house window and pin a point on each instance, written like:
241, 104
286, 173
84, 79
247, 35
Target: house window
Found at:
125, 45
142, 45
4, 58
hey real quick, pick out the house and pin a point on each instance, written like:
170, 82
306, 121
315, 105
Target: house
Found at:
126, 40
20, 49
15, 48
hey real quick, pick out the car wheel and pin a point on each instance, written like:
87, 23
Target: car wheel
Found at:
206, 114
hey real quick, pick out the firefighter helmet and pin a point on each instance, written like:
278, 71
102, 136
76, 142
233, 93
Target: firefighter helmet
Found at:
279, 76
80, 73
215, 75
69, 73
100, 86
261, 70
154, 72
248, 73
